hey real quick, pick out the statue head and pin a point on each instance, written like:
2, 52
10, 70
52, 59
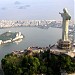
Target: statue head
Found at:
66, 14
65, 10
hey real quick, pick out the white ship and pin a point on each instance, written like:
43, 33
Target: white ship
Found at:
10, 37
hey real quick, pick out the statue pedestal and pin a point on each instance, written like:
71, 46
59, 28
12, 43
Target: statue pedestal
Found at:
64, 44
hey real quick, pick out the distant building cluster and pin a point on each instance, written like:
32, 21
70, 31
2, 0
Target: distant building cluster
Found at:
30, 23
15, 23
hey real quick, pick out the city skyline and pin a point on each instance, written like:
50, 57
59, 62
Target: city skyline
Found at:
31, 9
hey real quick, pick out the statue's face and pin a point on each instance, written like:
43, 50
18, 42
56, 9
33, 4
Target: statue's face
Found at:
64, 10
66, 14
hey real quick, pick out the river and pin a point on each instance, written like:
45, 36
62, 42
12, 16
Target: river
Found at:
33, 36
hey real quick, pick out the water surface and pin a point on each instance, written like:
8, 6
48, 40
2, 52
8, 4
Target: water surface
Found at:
32, 37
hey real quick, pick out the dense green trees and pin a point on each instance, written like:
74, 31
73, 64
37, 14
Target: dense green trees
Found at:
11, 65
67, 63
42, 63
30, 65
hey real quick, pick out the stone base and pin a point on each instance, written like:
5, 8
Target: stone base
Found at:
64, 44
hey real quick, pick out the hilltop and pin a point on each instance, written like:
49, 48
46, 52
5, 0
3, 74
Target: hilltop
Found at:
30, 63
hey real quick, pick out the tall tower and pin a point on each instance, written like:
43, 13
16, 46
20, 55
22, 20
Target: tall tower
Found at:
65, 43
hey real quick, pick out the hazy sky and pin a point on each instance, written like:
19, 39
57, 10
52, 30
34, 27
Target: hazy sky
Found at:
34, 9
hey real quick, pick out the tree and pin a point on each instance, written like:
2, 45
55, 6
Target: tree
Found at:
30, 65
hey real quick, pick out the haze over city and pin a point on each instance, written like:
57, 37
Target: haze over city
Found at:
34, 9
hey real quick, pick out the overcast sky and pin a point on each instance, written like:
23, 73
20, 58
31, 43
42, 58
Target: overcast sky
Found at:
34, 9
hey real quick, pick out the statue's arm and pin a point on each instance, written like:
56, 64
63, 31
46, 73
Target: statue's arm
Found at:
61, 14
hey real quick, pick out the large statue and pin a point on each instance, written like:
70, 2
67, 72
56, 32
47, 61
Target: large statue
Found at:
66, 17
65, 43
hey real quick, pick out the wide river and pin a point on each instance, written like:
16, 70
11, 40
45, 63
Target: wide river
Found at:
33, 36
